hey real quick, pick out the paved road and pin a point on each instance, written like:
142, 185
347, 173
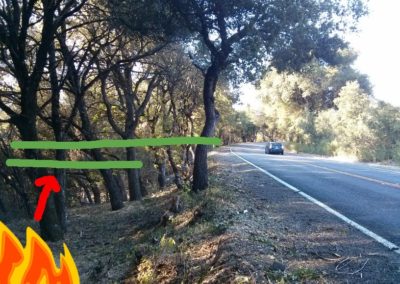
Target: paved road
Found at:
366, 193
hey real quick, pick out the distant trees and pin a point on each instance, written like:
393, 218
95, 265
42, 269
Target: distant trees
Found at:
385, 125
350, 122
328, 110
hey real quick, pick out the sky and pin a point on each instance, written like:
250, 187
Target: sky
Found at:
378, 46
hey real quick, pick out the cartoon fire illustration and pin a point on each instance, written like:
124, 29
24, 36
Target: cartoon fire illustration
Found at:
34, 263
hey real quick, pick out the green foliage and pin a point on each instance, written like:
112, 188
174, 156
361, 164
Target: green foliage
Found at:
329, 111
385, 124
167, 244
242, 36
234, 126
150, 18
350, 123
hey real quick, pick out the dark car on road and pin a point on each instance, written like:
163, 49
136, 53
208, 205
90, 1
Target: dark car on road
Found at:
274, 148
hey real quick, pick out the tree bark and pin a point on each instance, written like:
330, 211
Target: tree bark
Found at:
59, 136
88, 196
96, 195
200, 170
16, 38
135, 192
143, 188
121, 186
94, 188
162, 180
109, 181
116, 198
84, 185
132, 116
2, 207
177, 177
59, 198
50, 227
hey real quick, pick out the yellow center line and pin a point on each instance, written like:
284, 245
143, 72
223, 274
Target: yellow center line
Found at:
395, 185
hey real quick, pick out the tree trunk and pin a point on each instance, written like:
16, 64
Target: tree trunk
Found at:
85, 186
116, 198
2, 207
200, 170
94, 188
50, 227
133, 177
162, 180
88, 196
143, 188
59, 136
59, 198
96, 195
121, 185
109, 181
177, 177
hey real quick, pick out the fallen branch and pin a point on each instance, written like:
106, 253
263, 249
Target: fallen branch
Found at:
346, 262
343, 263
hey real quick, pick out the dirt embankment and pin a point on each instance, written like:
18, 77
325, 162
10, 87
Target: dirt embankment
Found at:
245, 229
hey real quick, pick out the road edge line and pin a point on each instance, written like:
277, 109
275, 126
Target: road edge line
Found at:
391, 246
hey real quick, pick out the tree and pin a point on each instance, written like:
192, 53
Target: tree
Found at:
297, 104
241, 37
27, 29
81, 76
133, 101
351, 122
385, 124
180, 103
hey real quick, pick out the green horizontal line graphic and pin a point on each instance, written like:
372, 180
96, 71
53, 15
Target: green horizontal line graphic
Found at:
155, 142
92, 165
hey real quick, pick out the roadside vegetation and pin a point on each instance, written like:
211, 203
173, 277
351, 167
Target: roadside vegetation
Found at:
328, 111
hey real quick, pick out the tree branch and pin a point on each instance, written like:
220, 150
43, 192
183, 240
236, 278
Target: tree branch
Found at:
109, 109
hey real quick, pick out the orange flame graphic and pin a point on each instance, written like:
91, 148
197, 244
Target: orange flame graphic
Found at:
34, 263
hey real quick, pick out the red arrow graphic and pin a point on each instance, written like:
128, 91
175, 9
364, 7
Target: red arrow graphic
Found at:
49, 184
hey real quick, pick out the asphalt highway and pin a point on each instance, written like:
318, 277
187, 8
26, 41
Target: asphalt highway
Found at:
368, 194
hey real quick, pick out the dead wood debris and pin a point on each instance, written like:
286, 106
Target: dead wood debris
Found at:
346, 262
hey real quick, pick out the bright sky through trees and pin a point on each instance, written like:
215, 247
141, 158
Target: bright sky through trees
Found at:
378, 44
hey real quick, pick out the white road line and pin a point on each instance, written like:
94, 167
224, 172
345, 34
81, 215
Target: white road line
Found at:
359, 227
